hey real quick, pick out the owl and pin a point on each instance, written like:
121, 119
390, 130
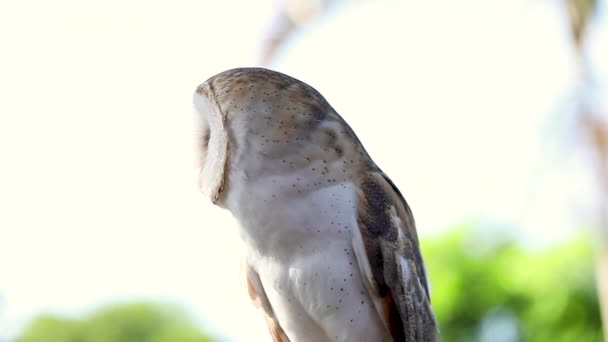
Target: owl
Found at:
332, 252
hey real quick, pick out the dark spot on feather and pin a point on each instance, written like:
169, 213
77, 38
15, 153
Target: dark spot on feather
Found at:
376, 216
332, 137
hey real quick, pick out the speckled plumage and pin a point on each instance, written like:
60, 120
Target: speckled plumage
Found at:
332, 251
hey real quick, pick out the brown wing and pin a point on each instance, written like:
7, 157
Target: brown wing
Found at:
386, 247
258, 296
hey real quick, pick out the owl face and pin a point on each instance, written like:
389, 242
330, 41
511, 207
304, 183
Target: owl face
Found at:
212, 142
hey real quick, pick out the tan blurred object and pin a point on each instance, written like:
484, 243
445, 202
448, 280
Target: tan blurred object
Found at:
595, 131
289, 16
579, 13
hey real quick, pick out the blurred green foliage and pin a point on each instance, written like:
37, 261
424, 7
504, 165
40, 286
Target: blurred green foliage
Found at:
492, 290
484, 288
143, 322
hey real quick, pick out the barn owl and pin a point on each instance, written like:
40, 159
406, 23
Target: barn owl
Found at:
331, 247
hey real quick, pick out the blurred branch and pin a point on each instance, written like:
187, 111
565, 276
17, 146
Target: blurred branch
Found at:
595, 131
579, 14
289, 16
281, 26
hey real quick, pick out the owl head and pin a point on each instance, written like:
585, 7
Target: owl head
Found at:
255, 121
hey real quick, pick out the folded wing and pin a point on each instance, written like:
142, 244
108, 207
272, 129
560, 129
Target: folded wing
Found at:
387, 251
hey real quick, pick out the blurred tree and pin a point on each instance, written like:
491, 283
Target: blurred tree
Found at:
594, 130
487, 290
122, 323
495, 291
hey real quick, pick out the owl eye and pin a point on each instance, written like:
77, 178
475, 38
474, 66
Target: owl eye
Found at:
206, 137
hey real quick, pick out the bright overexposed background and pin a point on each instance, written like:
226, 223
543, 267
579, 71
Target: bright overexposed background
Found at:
99, 198
460, 102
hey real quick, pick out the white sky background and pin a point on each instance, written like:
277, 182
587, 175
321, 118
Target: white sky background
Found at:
463, 107
98, 197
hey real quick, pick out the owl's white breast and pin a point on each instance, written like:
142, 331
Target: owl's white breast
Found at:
299, 240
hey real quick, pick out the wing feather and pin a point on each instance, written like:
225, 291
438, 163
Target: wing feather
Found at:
258, 296
387, 251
